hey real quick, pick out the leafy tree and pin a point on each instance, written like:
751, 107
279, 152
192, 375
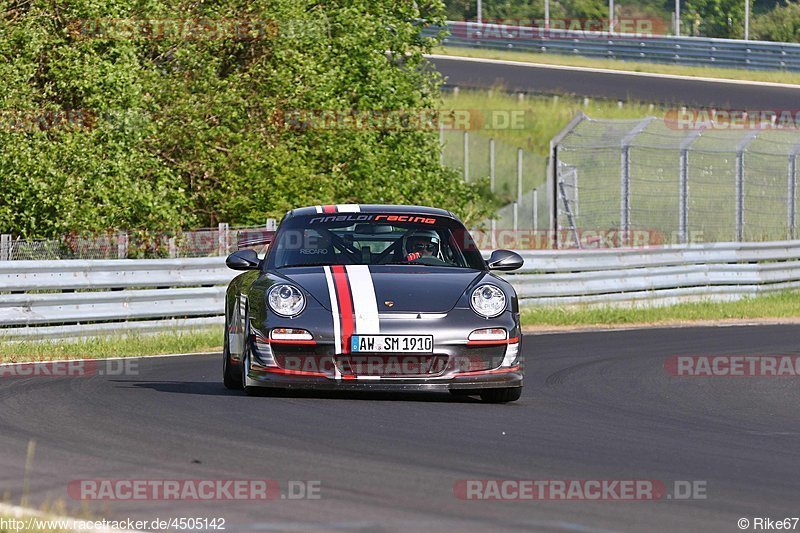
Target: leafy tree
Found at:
180, 130
715, 18
781, 24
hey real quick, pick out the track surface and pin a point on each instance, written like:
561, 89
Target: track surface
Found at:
540, 79
596, 406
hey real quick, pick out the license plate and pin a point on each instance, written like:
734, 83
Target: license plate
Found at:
392, 343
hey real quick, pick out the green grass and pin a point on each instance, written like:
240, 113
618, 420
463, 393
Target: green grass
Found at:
102, 347
776, 306
616, 64
542, 117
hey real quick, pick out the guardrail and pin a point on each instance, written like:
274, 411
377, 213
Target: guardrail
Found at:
68, 299
657, 276
703, 51
76, 298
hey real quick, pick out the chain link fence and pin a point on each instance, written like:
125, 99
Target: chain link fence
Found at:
675, 185
516, 175
204, 242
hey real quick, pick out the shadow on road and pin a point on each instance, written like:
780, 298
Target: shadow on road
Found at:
207, 388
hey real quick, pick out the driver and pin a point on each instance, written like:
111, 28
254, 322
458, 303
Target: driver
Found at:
421, 243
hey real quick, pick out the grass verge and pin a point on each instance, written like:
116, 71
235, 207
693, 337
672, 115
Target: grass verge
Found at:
542, 117
782, 305
618, 64
209, 340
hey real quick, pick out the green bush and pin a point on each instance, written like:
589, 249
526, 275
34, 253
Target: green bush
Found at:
178, 132
781, 24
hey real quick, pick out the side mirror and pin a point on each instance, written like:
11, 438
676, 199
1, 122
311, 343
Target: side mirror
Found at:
505, 260
243, 260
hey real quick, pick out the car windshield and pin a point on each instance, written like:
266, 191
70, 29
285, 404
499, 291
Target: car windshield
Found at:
373, 239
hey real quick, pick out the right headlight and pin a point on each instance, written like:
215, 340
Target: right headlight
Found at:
286, 300
488, 301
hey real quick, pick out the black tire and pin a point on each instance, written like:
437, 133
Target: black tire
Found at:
510, 394
230, 378
250, 391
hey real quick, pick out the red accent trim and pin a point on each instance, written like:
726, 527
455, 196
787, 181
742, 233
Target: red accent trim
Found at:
328, 208
345, 301
493, 343
285, 372
348, 376
288, 341
484, 372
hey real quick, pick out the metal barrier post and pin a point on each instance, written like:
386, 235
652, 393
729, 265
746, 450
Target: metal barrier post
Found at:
122, 245
683, 185
5, 247
491, 165
792, 192
740, 148
223, 238
441, 142
625, 180
552, 175
519, 175
466, 156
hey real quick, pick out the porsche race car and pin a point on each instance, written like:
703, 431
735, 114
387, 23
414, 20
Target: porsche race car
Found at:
373, 297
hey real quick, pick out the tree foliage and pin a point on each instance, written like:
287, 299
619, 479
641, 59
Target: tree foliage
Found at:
180, 131
781, 24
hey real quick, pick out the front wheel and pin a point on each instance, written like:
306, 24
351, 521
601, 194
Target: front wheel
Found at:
230, 377
510, 394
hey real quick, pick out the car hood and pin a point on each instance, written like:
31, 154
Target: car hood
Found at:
398, 288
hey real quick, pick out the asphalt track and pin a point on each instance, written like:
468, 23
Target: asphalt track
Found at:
551, 79
596, 406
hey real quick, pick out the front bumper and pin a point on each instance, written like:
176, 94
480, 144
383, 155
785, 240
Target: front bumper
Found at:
459, 365
286, 379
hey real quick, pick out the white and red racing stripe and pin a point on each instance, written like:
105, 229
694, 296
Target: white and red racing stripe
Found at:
338, 208
365, 303
354, 306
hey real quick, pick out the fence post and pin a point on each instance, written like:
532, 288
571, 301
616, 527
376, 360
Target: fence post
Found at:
491, 165
173, 247
223, 238
441, 141
516, 218
272, 224
792, 192
740, 148
552, 175
5, 247
519, 176
683, 186
625, 180
535, 214
466, 156
122, 245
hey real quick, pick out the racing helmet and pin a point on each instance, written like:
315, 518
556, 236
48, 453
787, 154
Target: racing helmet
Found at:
422, 241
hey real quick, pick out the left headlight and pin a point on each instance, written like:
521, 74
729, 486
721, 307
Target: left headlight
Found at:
286, 300
488, 301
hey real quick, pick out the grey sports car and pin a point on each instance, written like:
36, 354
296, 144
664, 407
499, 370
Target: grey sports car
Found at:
373, 297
